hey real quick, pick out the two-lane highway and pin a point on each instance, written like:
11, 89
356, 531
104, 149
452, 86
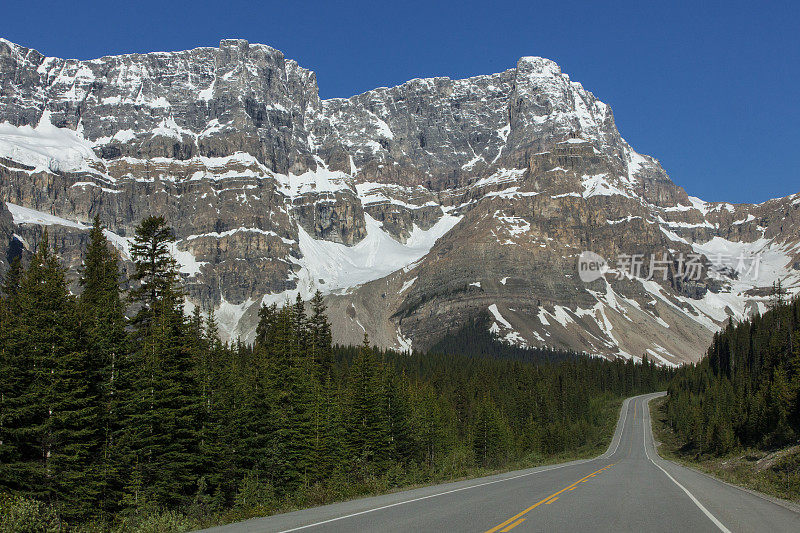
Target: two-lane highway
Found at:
628, 488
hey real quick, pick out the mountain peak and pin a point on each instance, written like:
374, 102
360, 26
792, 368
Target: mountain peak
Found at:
539, 65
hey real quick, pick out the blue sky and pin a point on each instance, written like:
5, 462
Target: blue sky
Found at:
709, 88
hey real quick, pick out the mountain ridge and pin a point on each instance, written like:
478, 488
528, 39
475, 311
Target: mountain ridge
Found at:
274, 191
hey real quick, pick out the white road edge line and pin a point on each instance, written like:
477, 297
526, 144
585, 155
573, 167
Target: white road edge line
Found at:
366, 511
711, 517
621, 425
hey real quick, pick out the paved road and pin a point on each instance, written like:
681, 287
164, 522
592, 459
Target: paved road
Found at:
628, 488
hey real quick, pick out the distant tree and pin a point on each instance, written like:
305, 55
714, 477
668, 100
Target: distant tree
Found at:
320, 332
491, 436
777, 295
13, 277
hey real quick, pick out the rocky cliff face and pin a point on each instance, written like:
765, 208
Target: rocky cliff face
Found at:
413, 208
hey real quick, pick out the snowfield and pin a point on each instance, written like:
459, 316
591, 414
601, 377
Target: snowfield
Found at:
45, 147
330, 266
25, 215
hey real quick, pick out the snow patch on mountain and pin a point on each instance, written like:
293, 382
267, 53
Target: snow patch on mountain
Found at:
404, 343
406, 285
497, 316
598, 185
228, 315
45, 146
371, 193
331, 266
187, 262
319, 180
513, 225
122, 244
758, 263
511, 337
25, 215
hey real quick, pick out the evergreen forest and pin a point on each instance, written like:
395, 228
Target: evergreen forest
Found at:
123, 411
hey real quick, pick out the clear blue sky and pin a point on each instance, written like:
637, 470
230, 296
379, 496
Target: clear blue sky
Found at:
709, 88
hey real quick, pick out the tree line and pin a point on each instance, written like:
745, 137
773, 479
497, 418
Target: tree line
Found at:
746, 390
113, 404
475, 338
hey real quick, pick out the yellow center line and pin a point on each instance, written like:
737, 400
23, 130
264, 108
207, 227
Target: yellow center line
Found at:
548, 502
540, 502
512, 526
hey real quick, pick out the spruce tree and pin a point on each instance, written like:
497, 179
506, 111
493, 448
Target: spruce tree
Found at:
320, 333
291, 413
215, 440
162, 416
50, 415
320, 355
369, 432
15, 379
304, 398
13, 277
253, 402
102, 315
397, 410
155, 269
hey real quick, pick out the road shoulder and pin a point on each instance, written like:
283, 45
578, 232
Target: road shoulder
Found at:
668, 449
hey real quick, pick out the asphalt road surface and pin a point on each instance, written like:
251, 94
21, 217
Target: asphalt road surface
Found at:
628, 488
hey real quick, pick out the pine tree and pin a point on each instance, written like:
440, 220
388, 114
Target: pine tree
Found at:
369, 432
330, 446
218, 385
49, 414
292, 382
777, 296
211, 366
163, 414
15, 380
13, 277
491, 434
254, 399
155, 269
319, 361
320, 332
102, 315
397, 408
779, 408
305, 396
300, 326
266, 324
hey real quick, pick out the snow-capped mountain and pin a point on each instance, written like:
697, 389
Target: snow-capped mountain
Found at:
414, 208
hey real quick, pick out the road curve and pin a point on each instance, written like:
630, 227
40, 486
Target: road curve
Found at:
628, 488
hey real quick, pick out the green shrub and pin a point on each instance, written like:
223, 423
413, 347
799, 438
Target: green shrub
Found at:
162, 522
254, 493
22, 515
